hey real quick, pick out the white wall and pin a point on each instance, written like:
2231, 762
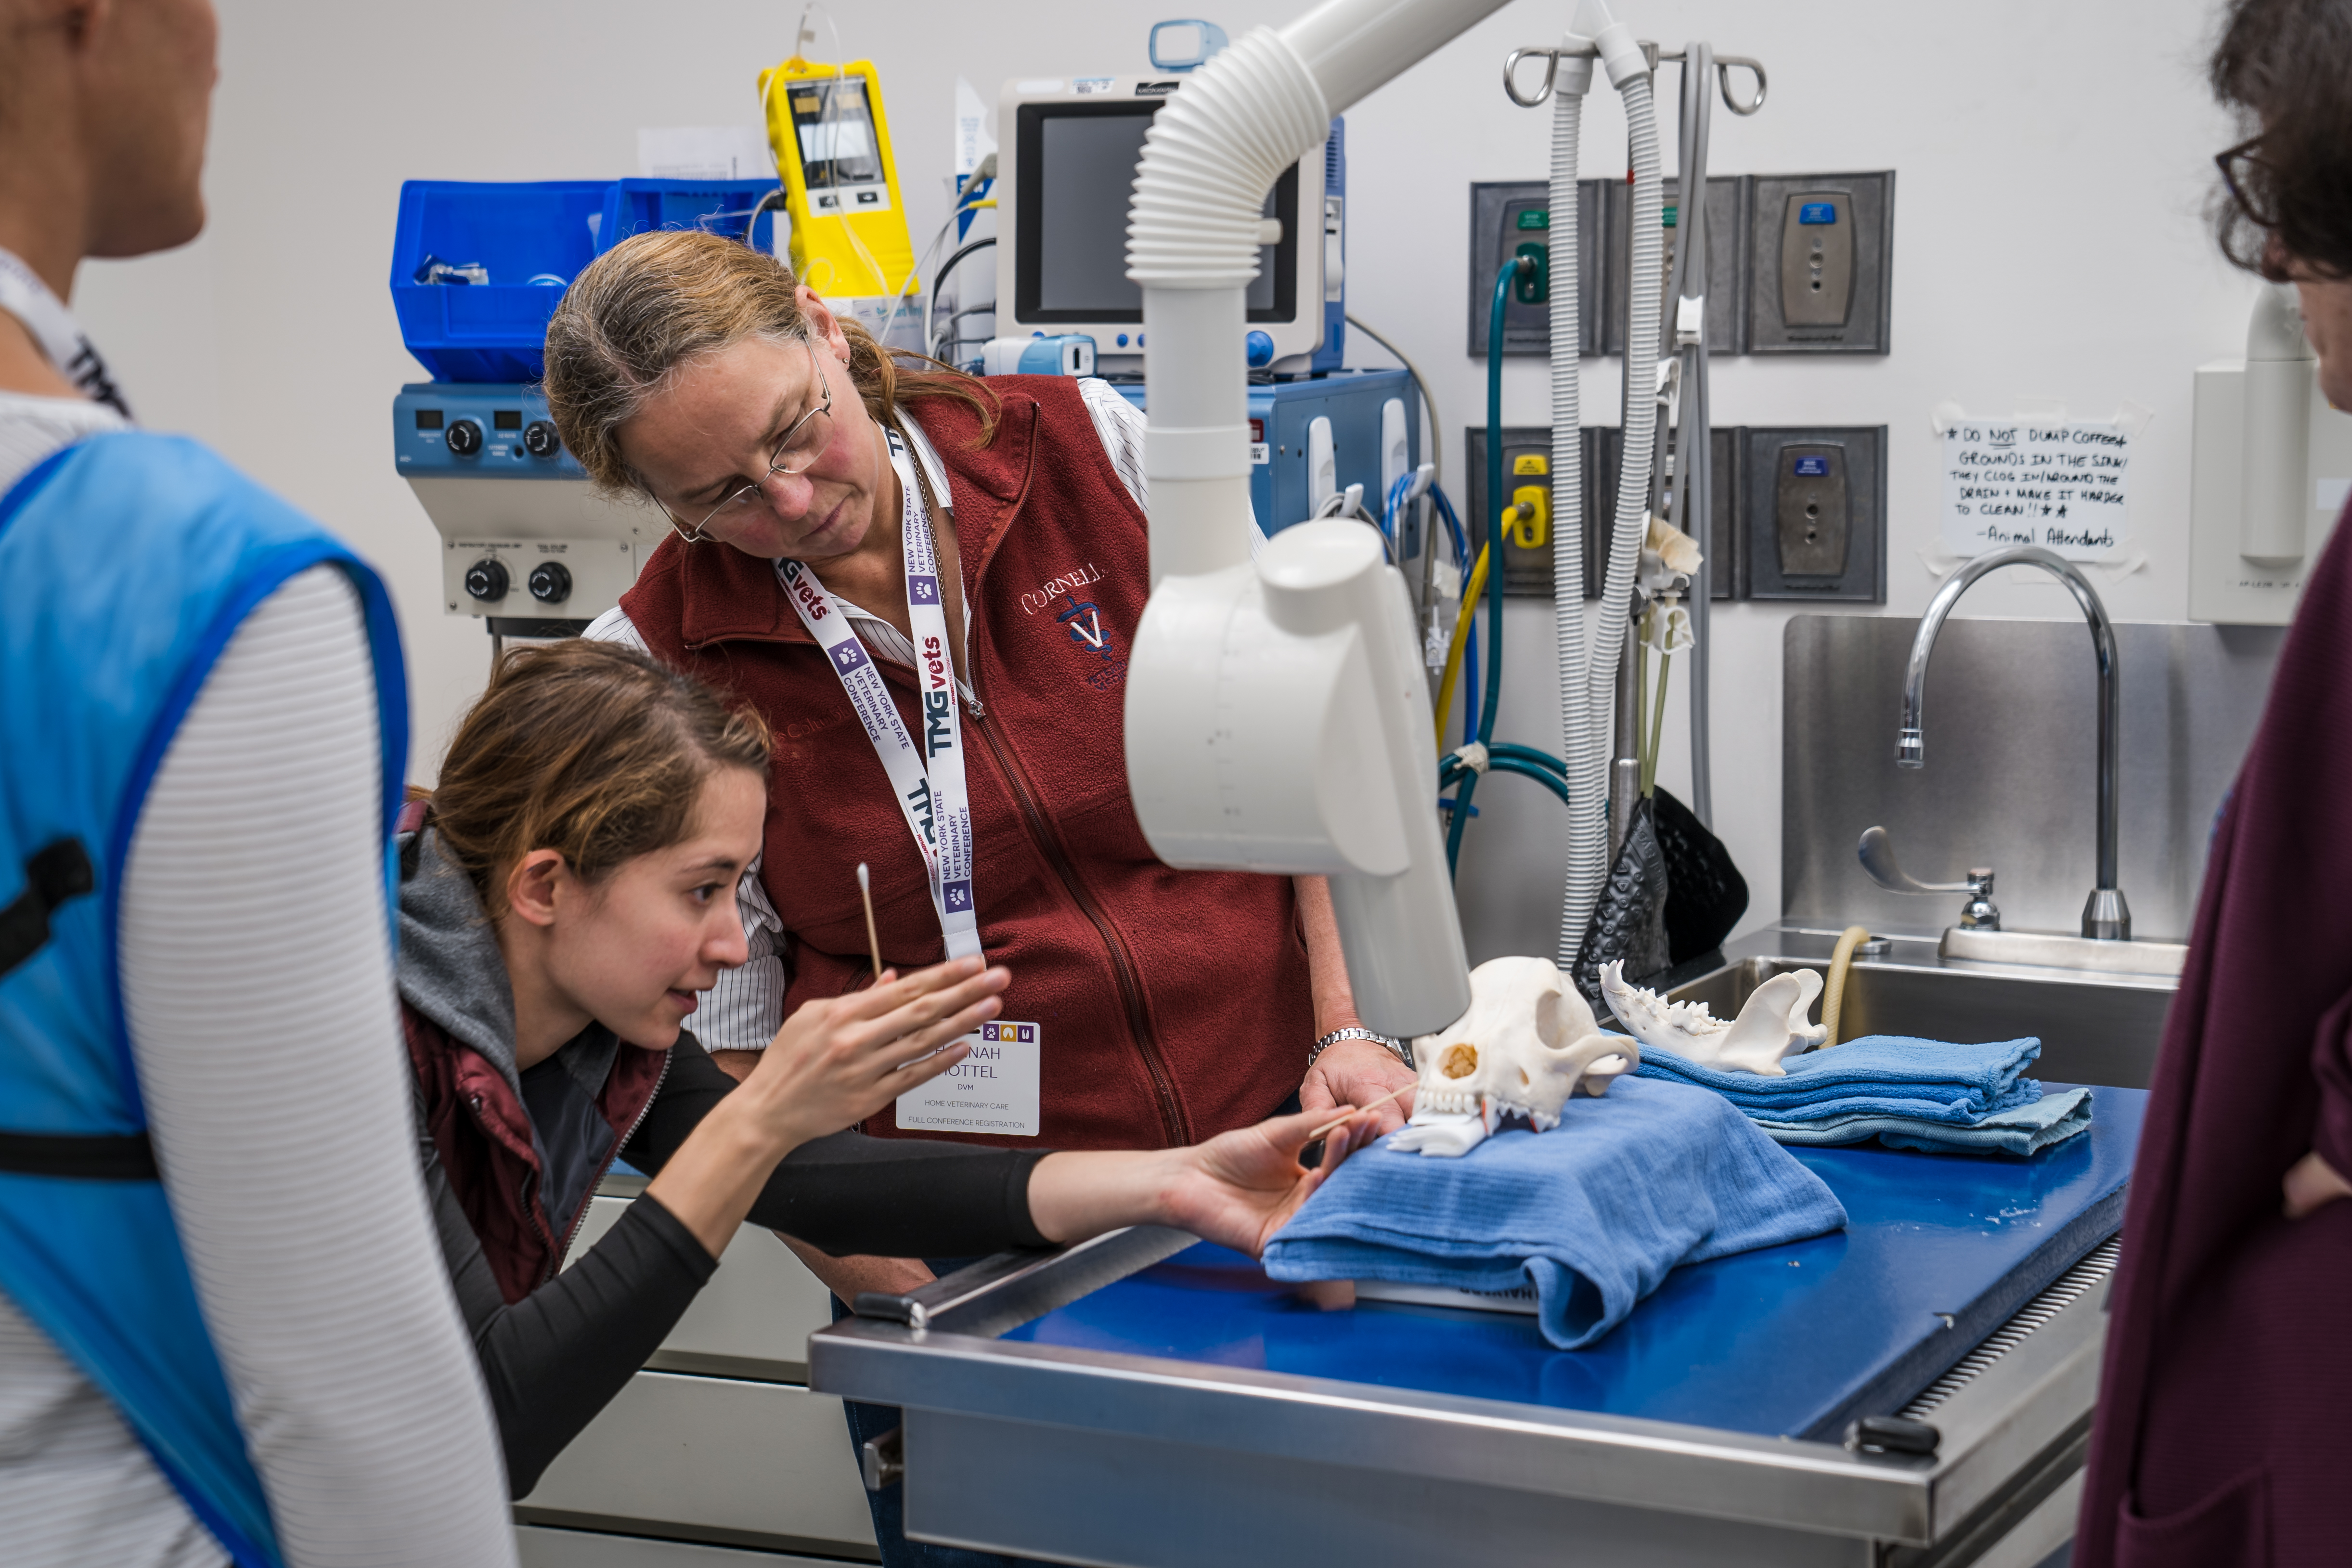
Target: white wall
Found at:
2052, 159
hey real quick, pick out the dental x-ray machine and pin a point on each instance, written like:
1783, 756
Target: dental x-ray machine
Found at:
1277, 718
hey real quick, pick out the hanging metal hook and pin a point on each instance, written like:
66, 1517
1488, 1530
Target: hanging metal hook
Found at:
1510, 76
1723, 64
1552, 56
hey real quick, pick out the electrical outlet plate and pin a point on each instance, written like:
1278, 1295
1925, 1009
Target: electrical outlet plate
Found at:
1726, 545
2223, 585
1727, 261
1527, 572
1814, 504
1821, 255
1506, 215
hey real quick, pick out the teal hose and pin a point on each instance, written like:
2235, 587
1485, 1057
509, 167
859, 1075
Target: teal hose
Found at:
1505, 280
1501, 755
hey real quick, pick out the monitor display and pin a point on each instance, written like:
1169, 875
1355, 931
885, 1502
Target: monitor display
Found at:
1076, 174
836, 127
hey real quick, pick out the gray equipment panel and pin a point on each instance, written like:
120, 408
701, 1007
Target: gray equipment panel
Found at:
1815, 514
1727, 261
1506, 215
1821, 255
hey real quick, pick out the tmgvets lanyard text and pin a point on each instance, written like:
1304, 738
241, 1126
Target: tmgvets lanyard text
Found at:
68, 350
928, 780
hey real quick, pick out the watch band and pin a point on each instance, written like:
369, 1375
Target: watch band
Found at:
1397, 1047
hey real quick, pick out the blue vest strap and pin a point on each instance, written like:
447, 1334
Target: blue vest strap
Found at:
56, 872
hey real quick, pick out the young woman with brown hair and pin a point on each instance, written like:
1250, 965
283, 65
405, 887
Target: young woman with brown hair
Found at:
564, 893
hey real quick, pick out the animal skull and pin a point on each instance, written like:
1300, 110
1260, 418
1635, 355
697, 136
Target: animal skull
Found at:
1772, 1022
1525, 1046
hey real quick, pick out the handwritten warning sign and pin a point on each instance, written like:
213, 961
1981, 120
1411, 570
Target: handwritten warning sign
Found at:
2058, 484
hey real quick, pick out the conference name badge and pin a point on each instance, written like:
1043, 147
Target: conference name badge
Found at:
993, 1091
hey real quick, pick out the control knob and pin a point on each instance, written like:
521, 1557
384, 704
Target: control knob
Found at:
550, 582
487, 579
465, 437
539, 439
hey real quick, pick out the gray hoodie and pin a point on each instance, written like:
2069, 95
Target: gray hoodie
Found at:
452, 971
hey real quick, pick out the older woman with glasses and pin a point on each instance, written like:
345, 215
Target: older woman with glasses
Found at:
928, 585
2221, 1436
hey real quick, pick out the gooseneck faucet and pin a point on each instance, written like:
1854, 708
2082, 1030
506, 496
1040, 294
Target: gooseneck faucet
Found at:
2105, 916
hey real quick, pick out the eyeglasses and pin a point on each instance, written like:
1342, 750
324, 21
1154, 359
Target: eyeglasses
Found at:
803, 443
2238, 166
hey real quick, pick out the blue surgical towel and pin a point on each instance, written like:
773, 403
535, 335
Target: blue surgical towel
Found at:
1880, 1074
1591, 1214
2028, 1129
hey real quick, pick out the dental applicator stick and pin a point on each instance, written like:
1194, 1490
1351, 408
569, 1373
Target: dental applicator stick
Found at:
873, 941
1375, 1105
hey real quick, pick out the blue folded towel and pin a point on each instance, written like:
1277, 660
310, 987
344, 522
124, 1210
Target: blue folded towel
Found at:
2027, 1129
1880, 1074
1593, 1214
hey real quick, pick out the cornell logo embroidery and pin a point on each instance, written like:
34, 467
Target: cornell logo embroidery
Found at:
1083, 619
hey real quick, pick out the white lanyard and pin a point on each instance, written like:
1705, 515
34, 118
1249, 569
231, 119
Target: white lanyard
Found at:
930, 790
62, 342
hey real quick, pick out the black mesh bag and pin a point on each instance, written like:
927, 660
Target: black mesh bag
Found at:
1705, 894
1628, 921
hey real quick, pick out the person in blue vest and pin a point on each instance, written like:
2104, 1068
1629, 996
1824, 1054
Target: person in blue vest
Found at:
225, 1334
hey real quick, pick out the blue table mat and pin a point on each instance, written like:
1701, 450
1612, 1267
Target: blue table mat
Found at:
1789, 1341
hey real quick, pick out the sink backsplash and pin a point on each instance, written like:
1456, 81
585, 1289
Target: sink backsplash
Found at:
2012, 744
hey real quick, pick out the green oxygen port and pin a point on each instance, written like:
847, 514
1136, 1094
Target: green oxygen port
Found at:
1533, 285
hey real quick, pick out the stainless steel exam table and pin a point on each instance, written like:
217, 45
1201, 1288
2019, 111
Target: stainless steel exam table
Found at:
1146, 1401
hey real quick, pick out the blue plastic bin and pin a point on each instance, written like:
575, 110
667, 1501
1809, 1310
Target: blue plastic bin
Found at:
533, 239
723, 206
492, 332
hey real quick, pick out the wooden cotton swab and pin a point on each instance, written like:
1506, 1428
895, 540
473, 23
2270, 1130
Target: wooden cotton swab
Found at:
1375, 1105
873, 941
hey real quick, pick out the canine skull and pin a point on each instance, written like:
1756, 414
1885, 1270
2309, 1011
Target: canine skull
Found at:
1526, 1044
1770, 1025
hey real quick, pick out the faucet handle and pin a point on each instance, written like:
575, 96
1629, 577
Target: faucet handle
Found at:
1877, 852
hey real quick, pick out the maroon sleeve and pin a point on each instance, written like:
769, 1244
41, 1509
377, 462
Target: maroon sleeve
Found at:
2331, 1065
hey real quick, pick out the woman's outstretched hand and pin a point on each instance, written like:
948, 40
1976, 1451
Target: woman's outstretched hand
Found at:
1235, 1190
1238, 1189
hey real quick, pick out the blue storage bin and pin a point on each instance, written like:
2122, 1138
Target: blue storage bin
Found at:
492, 332
723, 206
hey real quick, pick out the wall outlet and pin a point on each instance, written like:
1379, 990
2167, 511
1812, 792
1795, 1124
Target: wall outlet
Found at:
1820, 252
1815, 512
1726, 258
1509, 216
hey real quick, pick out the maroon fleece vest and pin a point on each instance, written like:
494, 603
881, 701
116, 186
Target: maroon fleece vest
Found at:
1175, 1005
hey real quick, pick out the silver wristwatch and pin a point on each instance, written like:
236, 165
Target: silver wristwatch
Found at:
1397, 1047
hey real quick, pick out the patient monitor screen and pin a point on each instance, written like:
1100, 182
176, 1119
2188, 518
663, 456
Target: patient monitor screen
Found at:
1076, 174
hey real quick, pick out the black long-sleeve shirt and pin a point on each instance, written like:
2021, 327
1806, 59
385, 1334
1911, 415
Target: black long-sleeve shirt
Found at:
557, 1357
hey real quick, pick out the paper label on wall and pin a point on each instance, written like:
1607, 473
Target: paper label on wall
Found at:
2061, 484
993, 1091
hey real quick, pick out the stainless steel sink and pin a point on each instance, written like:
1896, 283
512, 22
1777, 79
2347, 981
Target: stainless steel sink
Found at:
2094, 1028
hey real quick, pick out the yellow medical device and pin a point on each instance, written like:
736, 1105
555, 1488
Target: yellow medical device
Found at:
832, 142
